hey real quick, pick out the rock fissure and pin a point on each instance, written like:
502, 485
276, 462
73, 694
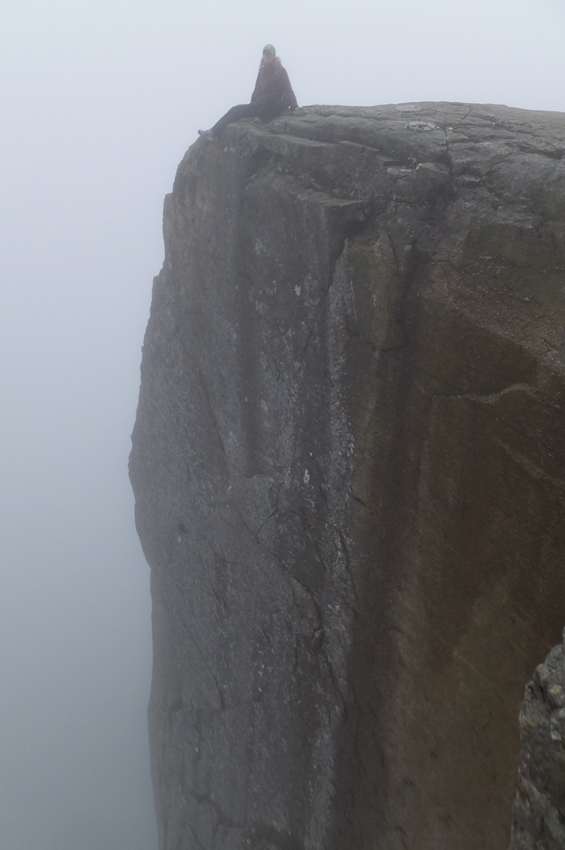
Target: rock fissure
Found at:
286, 569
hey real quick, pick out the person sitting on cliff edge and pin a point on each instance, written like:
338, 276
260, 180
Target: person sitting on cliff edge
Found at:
272, 96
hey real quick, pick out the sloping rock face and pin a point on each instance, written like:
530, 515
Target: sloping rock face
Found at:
349, 467
539, 809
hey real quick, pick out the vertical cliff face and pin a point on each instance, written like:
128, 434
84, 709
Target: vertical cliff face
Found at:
349, 467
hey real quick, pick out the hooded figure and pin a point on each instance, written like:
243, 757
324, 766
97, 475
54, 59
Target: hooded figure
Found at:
271, 96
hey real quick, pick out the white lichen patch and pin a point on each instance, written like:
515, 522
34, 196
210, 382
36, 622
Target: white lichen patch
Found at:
425, 126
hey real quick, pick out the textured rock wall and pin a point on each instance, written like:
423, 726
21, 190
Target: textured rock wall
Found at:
539, 809
349, 472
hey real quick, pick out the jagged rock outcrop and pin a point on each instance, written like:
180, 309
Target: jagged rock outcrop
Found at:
349, 467
539, 809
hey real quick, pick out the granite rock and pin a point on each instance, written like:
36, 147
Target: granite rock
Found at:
349, 470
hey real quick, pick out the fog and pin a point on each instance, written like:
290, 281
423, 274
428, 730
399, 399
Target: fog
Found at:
99, 102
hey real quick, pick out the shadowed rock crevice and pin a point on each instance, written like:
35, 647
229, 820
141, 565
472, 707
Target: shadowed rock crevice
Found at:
349, 467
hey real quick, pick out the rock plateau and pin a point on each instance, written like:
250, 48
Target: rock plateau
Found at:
349, 470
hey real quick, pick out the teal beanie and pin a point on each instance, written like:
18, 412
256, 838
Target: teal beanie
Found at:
270, 49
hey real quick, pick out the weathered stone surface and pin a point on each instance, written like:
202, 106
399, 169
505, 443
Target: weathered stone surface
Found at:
539, 808
349, 467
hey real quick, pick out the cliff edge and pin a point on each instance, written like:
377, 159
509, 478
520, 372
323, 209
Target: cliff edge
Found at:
349, 470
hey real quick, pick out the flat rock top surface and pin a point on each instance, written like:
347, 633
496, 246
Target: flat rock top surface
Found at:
534, 131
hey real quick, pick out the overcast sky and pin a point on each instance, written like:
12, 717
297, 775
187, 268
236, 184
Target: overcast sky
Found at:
99, 101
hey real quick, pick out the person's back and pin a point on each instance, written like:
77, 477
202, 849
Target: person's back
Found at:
273, 81
271, 96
